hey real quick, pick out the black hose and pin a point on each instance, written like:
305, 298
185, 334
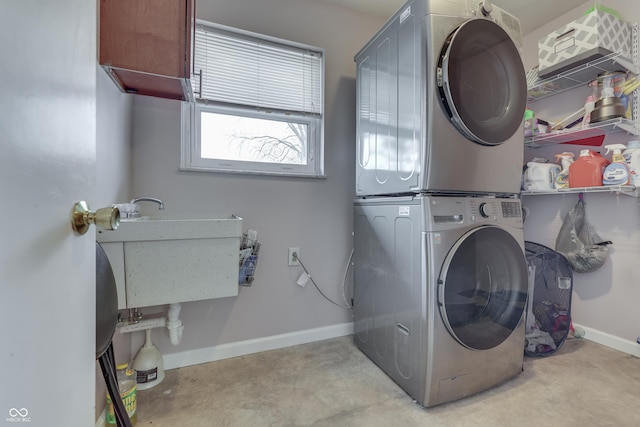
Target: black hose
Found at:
109, 373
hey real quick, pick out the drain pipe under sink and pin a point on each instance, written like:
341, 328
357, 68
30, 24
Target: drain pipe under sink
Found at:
148, 363
172, 322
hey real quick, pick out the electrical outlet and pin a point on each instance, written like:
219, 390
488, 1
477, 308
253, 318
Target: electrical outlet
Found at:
292, 260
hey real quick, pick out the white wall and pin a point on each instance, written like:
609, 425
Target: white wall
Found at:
313, 214
113, 179
113, 170
605, 301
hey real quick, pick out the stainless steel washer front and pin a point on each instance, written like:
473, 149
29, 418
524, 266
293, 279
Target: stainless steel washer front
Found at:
440, 292
480, 287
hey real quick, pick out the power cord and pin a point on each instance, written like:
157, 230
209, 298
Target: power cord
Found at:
344, 281
348, 307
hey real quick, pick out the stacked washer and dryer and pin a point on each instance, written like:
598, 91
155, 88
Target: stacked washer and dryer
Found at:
440, 273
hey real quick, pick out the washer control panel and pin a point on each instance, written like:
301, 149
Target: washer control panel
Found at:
485, 210
494, 210
511, 209
446, 212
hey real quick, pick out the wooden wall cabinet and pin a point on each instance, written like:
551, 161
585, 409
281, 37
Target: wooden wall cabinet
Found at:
145, 45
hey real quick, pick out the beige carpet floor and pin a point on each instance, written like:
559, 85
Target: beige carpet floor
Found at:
331, 383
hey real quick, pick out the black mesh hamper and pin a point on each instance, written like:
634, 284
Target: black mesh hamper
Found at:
549, 312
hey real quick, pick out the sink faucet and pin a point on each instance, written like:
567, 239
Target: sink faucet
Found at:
148, 199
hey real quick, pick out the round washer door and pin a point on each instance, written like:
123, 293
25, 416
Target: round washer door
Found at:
482, 288
482, 82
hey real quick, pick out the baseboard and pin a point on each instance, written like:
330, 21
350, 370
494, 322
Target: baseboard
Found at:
242, 348
102, 419
609, 340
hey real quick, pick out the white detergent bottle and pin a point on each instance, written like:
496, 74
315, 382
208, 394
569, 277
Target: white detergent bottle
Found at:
562, 179
540, 176
617, 172
632, 158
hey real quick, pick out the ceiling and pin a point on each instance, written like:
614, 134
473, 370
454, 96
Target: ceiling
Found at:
532, 14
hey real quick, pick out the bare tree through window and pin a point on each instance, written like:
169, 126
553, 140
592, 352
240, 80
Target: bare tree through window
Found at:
232, 137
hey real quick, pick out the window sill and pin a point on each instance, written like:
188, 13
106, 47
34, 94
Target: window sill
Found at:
245, 172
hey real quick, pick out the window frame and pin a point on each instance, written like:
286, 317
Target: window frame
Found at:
191, 113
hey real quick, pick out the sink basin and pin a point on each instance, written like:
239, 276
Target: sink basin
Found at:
164, 260
172, 228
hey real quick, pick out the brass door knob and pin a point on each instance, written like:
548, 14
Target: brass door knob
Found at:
81, 217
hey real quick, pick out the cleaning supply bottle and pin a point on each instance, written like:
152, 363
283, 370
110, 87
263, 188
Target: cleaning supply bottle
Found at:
617, 172
589, 105
540, 176
587, 170
128, 390
562, 179
529, 123
148, 364
632, 158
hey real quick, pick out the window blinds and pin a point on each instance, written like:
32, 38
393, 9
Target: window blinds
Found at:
239, 68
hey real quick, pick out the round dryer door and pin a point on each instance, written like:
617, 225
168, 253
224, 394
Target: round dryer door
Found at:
482, 289
482, 82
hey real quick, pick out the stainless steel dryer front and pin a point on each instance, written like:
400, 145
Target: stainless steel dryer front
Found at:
440, 292
441, 94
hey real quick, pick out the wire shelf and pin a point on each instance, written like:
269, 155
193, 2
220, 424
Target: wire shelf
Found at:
606, 127
249, 251
541, 88
619, 189
580, 75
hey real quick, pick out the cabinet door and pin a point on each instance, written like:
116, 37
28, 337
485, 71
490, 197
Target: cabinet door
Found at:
145, 44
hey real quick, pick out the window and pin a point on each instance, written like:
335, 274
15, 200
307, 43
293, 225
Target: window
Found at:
258, 105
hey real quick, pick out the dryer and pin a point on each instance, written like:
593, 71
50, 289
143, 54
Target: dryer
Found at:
441, 95
440, 288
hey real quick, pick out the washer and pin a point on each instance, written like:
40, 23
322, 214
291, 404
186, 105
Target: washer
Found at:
441, 95
440, 292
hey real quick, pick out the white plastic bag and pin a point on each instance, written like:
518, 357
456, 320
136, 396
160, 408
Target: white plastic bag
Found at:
579, 242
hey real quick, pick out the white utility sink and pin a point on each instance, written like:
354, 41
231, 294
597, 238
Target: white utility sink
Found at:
172, 228
163, 260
